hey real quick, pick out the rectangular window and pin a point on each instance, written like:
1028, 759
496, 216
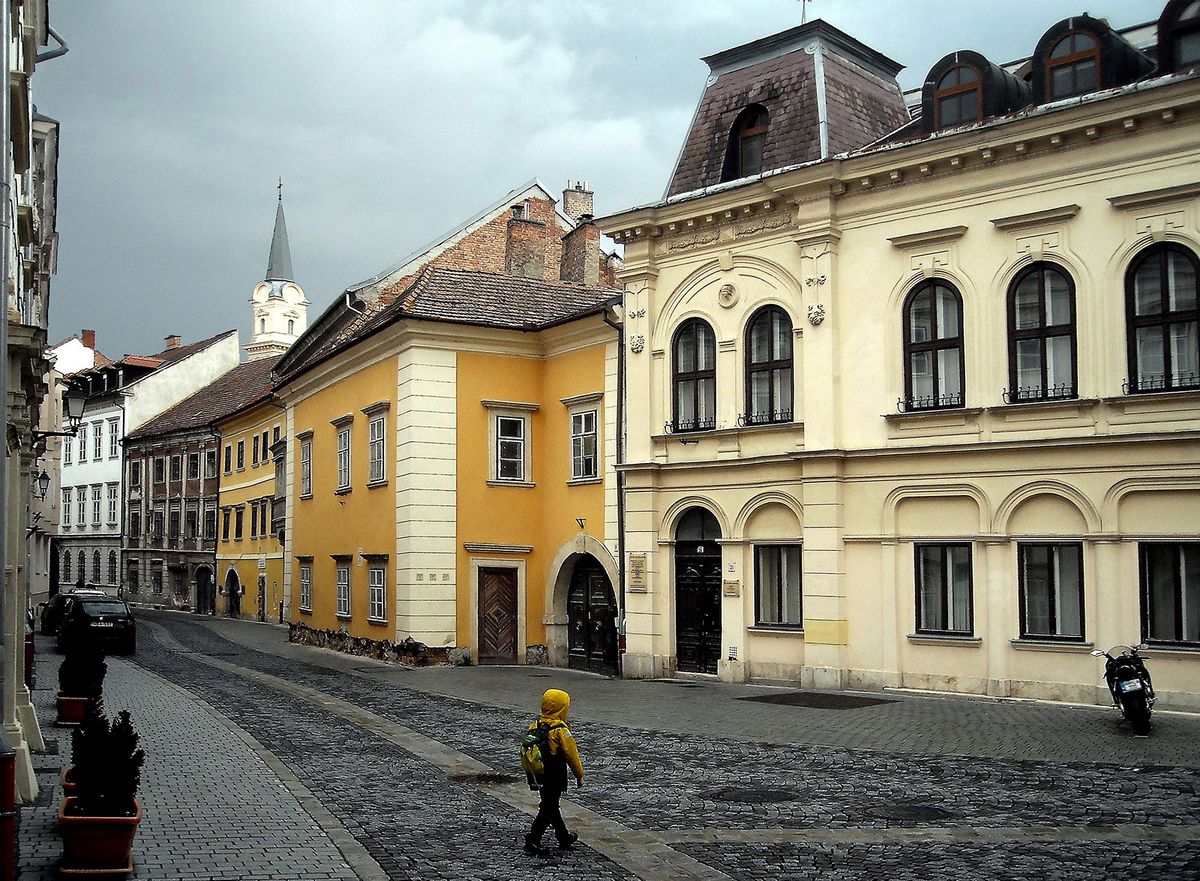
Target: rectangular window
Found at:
265, 451
193, 471
275, 435
226, 516
113, 439
96, 493
135, 524
210, 523
305, 587
160, 470
239, 515
343, 590
156, 579
777, 582
210, 464
254, 451
306, 468
262, 516
81, 505
191, 522
241, 455
67, 447
173, 523
156, 528
1051, 590
583, 444
176, 468
254, 518
66, 506
943, 576
1170, 575
135, 475
83, 436
377, 595
510, 448
97, 440
228, 458
112, 504
378, 470
343, 460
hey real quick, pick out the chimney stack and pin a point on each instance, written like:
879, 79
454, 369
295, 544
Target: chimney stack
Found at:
577, 200
173, 341
89, 338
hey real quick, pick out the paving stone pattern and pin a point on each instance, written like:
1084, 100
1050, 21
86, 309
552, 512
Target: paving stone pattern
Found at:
212, 808
653, 780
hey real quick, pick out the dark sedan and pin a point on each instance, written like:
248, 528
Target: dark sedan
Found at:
52, 611
106, 621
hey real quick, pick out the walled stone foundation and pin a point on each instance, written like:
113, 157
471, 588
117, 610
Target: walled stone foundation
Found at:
408, 652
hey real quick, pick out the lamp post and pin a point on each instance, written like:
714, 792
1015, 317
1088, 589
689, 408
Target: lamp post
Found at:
74, 402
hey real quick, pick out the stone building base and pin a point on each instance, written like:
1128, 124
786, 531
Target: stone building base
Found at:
408, 652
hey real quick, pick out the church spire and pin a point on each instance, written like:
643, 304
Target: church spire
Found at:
279, 264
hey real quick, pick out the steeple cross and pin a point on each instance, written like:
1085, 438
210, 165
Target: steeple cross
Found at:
281, 189
804, 10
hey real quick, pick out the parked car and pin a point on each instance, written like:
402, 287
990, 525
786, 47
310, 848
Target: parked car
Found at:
107, 621
51, 613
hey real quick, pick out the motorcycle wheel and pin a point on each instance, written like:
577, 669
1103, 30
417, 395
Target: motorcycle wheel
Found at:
1138, 713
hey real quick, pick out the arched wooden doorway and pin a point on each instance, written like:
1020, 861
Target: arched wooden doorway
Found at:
206, 594
233, 593
697, 592
592, 619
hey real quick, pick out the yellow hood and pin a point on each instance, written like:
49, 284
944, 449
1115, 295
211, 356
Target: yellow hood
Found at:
555, 704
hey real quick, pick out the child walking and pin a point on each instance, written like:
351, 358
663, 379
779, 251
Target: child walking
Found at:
560, 755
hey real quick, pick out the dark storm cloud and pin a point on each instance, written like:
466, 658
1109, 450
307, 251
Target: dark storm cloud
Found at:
390, 122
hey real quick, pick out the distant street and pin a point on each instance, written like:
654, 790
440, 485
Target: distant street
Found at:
266, 760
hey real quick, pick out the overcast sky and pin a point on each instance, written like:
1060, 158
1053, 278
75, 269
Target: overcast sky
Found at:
390, 122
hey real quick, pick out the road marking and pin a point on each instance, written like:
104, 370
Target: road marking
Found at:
642, 853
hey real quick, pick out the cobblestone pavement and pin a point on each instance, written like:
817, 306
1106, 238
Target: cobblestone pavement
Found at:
416, 775
209, 797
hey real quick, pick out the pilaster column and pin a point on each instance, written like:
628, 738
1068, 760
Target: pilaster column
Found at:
826, 630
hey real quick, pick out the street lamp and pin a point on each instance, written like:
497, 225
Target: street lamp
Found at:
43, 484
74, 402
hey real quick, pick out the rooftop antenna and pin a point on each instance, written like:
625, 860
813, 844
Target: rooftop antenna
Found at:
804, 11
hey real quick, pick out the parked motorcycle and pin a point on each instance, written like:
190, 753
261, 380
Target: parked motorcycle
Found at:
1129, 681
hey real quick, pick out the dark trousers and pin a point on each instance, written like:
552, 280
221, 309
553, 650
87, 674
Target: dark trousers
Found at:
549, 815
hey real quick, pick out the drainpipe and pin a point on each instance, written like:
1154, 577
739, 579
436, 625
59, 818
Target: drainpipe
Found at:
620, 329
62, 49
8, 842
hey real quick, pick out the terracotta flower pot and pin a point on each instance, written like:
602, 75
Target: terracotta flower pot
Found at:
66, 781
92, 845
71, 710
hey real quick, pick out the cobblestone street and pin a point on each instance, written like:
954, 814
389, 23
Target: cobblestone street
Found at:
271, 760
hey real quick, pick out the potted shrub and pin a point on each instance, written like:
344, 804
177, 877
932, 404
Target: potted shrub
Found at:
80, 682
98, 823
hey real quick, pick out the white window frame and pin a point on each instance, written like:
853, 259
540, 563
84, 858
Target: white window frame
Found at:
344, 440
498, 410
377, 592
306, 587
81, 505
306, 468
66, 506
97, 439
83, 443
579, 436
96, 495
67, 448
112, 504
112, 439
343, 589
377, 434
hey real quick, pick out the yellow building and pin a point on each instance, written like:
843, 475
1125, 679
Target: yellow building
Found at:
452, 436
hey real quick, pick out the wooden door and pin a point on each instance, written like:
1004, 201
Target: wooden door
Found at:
497, 616
697, 593
592, 620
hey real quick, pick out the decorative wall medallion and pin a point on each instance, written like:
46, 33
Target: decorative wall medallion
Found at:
814, 279
727, 296
816, 314
637, 343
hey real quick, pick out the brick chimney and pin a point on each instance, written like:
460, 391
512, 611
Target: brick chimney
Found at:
577, 200
581, 252
172, 341
89, 338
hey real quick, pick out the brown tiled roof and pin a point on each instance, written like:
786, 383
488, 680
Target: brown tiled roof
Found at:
180, 352
242, 386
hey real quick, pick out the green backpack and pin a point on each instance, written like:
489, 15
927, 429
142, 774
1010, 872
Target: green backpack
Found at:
535, 746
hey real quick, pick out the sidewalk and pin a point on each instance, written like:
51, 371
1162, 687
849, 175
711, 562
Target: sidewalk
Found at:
207, 788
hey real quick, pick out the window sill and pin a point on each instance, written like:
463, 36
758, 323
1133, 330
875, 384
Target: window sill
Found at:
343, 490
584, 481
1123, 402
377, 620
374, 484
949, 639
1171, 648
1066, 404
737, 430
522, 484
344, 617
933, 414
307, 611
776, 630
1051, 645
306, 497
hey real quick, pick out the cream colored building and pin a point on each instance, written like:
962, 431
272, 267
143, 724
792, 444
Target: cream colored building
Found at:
917, 404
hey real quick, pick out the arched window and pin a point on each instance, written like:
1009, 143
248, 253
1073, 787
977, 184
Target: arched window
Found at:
1041, 335
291, 326
695, 377
933, 347
1163, 316
262, 325
1181, 33
1073, 66
747, 139
96, 567
66, 567
112, 567
768, 367
959, 97
82, 566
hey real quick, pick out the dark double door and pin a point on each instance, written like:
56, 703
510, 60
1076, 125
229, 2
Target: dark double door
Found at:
497, 616
592, 620
697, 594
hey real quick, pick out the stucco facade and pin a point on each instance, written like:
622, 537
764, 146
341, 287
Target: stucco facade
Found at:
870, 490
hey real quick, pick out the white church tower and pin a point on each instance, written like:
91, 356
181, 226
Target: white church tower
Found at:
279, 307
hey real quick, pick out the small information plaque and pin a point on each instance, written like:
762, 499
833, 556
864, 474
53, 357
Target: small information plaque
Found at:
732, 588
637, 573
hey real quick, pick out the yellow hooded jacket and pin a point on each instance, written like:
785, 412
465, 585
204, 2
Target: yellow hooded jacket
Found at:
555, 704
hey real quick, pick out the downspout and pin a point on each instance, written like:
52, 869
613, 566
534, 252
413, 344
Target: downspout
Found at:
817, 51
620, 329
63, 48
5, 215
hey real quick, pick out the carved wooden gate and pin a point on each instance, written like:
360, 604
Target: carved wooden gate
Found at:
497, 616
592, 613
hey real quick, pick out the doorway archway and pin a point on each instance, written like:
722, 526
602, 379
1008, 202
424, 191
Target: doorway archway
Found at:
206, 595
591, 618
697, 592
233, 593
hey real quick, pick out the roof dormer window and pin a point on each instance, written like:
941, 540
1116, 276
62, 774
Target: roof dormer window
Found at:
958, 98
744, 156
1179, 36
1073, 66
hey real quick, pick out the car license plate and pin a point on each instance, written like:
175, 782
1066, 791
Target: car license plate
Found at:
1131, 685
103, 624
